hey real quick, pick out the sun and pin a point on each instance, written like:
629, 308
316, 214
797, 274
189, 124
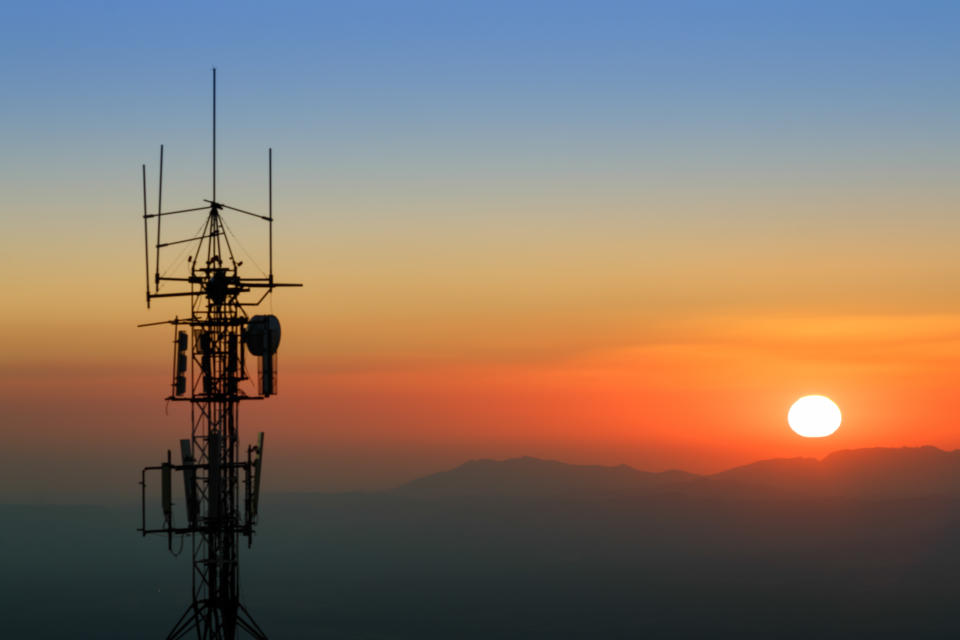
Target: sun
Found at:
814, 416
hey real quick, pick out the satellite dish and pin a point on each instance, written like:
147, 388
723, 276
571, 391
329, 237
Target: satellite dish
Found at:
262, 335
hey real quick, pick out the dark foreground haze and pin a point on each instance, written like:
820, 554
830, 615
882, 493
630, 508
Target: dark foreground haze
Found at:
861, 544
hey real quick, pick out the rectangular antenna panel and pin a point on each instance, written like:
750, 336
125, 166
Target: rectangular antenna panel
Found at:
213, 476
257, 473
189, 480
180, 378
268, 375
166, 470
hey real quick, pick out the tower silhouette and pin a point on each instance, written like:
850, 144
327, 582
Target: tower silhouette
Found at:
221, 482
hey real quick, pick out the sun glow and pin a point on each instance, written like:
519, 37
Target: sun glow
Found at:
814, 416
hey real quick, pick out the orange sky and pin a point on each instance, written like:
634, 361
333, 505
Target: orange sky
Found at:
617, 340
656, 345
701, 394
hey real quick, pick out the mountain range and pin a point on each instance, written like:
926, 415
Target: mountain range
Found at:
875, 473
859, 544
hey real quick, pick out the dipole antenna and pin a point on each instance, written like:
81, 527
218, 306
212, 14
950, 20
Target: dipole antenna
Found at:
221, 486
156, 262
214, 198
146, 241
270, 206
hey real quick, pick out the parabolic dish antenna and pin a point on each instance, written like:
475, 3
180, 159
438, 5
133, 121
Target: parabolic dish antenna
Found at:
262, 335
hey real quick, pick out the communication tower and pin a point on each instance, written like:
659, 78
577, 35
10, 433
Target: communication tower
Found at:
221, 482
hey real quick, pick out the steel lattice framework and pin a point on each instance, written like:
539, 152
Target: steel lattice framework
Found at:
221, 484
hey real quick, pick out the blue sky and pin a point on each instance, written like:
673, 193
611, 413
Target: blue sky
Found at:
495, 81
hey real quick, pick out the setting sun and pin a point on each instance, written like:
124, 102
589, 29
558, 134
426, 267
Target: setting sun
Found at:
814, 417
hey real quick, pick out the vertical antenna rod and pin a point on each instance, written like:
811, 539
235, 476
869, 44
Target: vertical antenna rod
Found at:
146, 247
270, 205
156, 275
214, 134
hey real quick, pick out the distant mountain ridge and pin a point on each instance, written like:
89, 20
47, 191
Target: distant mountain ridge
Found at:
874, 473
906, 472
528, 476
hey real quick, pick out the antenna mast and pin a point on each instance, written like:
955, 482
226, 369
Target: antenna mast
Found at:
214, 196
221, 488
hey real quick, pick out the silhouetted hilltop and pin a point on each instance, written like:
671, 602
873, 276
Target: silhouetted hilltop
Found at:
876, 473
904, 472
581, 552
532, 477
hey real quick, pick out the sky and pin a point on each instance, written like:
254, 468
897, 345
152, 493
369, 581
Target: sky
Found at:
606, 233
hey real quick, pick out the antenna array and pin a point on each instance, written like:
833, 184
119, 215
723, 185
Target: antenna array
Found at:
221, 487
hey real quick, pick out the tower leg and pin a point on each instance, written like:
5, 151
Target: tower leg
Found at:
210, 624
246, 622
190, 620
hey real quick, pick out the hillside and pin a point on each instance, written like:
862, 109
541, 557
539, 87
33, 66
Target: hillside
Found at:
876, 473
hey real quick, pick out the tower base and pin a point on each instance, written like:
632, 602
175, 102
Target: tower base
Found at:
215, 624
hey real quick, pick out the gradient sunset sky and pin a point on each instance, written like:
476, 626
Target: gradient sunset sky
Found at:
595, 232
